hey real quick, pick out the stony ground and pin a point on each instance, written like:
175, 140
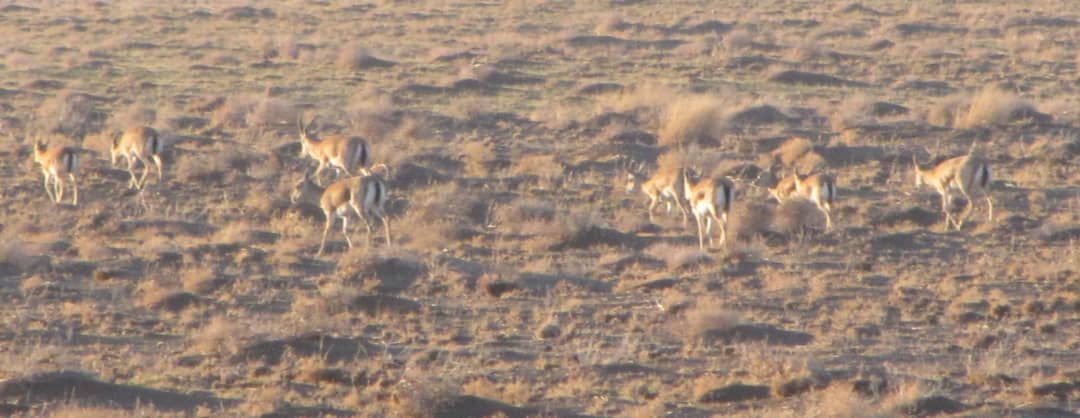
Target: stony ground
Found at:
523, 280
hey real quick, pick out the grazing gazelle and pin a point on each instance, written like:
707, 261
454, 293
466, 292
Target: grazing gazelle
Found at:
364, 195
965, 173
346, 153
663, 186
710, 200
56, 163
818, 188
138, 143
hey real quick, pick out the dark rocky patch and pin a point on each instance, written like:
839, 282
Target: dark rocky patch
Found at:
812, 79
735, 393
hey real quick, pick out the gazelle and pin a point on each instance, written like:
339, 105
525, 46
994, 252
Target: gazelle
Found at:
663, 186
818, 188
346, 153
139, 143
364, 195
965, 173
57, 163
710, 200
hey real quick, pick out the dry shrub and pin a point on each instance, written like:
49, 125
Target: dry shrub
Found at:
136, 114
271, 111
18, 60
222, 335
202, 168
948, 110
545, 166
694, 119
75, 410
677, 257
70, 113
355, 57
993, 106
610, 24
422, 394
853, 111
15, 252
234, 111
647, 100
796, 215
478, 156
707, 315
523, 212
370, 113
749, 220
790, 151
738, 39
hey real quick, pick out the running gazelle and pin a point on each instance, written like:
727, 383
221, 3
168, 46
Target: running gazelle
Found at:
710, 200
965, 173
363, 195
138, 143
57, 163
346, 153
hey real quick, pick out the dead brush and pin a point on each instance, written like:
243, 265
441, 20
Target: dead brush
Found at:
796, 216
679, 257
692, 120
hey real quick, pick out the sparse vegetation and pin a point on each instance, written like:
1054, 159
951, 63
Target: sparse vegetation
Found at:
522, 279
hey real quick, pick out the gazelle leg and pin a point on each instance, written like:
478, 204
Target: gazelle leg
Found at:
145, 172
700, 234
723, 229
386, 226
326, 231
345, 229
157, 162
74, 190
48, 189
708, 230
945, 208
989, 208
652, 205
131, 171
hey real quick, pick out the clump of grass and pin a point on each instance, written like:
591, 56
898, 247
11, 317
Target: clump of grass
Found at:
478, 156
678, 257
795, 215
750, 220
994, 106
692, 120
221, 335
70, 113
422, 395
356, 57
370, 113
270, 112
706, 316
232, 113
136, 114
647, 100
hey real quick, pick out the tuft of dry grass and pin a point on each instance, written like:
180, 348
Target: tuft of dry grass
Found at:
136, 114
707, 315
271, 111
422, 395
356, 57
796, 215
678, 257
692, 120
70, 113
993, 106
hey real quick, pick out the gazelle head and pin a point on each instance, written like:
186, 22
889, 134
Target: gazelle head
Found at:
305, 190
919, 178
39, 150
634, 177
305, 135
114, 150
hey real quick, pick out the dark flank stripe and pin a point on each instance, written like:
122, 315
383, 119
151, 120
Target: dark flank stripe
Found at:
70, 161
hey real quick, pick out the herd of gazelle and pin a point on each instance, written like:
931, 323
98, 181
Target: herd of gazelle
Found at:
360, 191
710, 198
364, 193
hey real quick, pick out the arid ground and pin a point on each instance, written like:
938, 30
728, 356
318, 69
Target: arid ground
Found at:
523, 280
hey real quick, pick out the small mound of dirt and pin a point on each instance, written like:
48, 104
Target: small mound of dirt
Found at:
176, 302
592, 235
543, 283
862, 9
1044, 21
737, 392
373, 305
293, 411
80, 388
473, 406
934, 405
915, 28
599, 88
759, 115
707, 27
44, 84
1059, 390
248, 12
765, 333
813, 79
881, 109
417, 89
913, 215
410, 175
330, 348
396, 274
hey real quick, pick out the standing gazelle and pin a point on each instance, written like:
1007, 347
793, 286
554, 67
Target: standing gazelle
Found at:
966, 173
818, 188
138, 143
663, 186
710, 200
346, 153
56, 163
364, 195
